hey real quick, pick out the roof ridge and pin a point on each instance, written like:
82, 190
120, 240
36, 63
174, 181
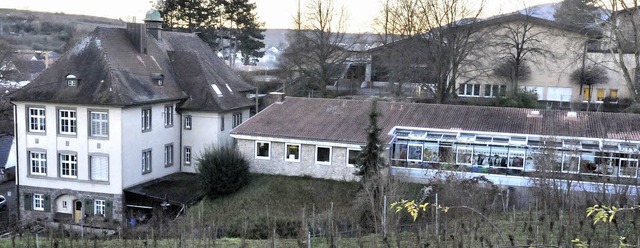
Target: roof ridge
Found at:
105, 53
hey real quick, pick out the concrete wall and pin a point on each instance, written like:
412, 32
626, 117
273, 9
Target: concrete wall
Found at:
276, 164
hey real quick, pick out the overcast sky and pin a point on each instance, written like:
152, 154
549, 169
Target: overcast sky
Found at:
274, 13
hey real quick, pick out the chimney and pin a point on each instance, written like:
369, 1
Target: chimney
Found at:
153, 23
276, 97
136, 32
534, 113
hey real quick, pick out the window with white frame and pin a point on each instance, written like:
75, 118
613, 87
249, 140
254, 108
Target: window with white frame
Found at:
99, 124
323, 154
469, 90
146, 119
67, 121
38, 162
68, 165
98, 207
99, 168
187, 122
415, 152
168, 155
237, 120
494, 90
352, 156
187, 155
168, 116
38, 202
36, 119
263, 149
292, 152
146, 161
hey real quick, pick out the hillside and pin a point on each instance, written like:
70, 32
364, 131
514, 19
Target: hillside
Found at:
29, 30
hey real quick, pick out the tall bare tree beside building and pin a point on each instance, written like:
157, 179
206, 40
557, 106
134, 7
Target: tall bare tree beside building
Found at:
449, 37
622, 40
399, 19
318, 48
6, 110
519, 42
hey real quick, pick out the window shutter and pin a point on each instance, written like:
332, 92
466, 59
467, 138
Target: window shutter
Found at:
28, 202
108, 209
88, 207
46, 203
99, 168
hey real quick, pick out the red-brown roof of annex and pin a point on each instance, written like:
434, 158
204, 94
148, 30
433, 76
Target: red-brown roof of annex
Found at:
345, 121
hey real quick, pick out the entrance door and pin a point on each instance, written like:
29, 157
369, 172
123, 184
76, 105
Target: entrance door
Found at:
77, 211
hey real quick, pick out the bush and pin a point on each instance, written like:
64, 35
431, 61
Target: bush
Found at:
633, 109
521, 99
222, 171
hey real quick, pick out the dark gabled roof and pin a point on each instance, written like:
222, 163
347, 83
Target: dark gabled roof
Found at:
346, 120
112, 71
36, 66
520, 17
198, 68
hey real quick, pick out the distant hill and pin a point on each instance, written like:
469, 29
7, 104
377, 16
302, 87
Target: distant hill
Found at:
30, 30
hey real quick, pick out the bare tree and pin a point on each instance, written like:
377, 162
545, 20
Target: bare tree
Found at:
588, 76
623, 40
399, 19
6, 67
448, 37
519, 41
318, 48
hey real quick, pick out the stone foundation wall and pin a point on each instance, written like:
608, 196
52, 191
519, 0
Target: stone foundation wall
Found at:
28, 215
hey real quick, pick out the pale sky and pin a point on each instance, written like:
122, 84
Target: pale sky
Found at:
274, 13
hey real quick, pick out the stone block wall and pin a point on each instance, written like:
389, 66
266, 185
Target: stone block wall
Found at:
28, 215
338, 169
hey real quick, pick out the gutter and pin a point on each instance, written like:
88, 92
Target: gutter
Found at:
15, 135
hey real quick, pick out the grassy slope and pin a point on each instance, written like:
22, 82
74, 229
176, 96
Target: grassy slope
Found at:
278, 196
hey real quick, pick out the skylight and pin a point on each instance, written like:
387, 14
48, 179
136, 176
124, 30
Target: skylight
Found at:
229, 88
216, 89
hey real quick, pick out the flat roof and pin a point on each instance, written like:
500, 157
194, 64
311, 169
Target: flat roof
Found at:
181, 187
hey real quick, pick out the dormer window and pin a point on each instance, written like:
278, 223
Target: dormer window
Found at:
72, 80
158, 78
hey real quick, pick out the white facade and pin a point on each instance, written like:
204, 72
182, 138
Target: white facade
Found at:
204, 129
56, 157
136, 141
52, 143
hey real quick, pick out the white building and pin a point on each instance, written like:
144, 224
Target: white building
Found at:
121, 108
